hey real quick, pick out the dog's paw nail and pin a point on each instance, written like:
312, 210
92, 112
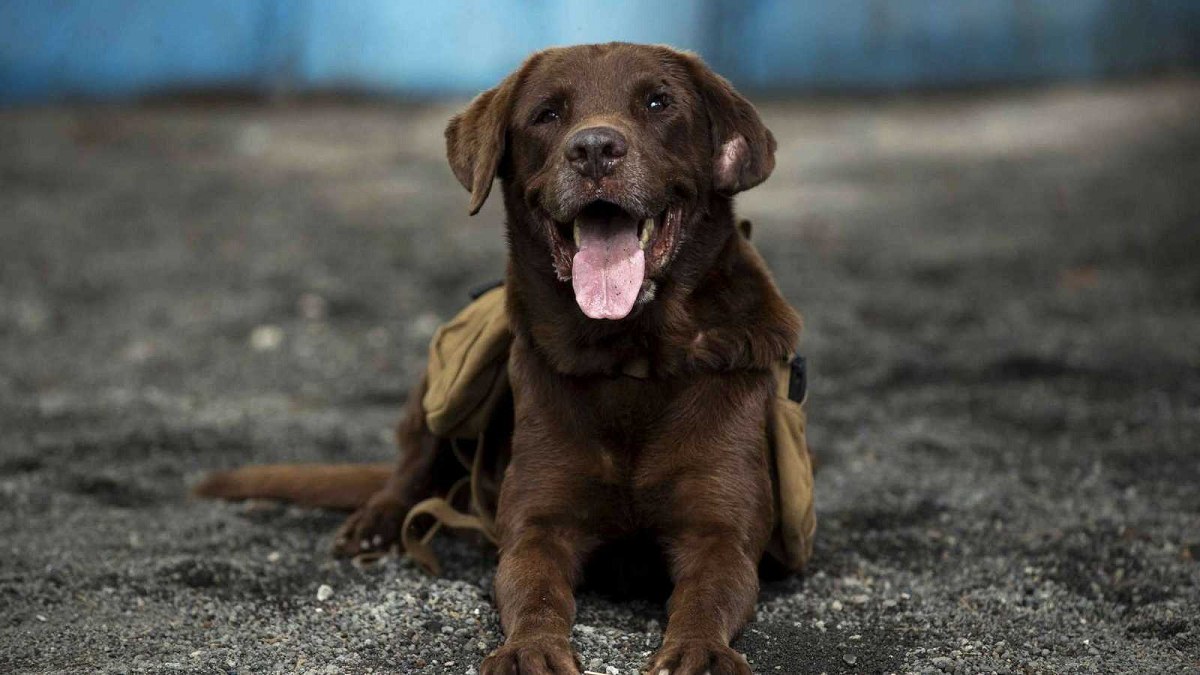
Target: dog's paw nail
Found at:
364, 544
664, 671
377, 540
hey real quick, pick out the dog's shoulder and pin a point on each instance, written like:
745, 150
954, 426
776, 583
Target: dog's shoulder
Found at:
741, 319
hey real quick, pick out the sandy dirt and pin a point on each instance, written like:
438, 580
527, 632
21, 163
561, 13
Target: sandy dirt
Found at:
1002, 304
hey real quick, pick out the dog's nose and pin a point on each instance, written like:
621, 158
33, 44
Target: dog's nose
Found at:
596, 151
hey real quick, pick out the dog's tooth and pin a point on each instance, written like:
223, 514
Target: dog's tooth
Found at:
576, 235
647, 231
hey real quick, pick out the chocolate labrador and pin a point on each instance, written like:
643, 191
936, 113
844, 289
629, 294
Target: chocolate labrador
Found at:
618, 165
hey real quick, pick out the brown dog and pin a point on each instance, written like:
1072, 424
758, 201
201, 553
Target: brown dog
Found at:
618, 164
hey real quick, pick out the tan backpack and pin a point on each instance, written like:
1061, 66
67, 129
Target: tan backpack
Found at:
468, 379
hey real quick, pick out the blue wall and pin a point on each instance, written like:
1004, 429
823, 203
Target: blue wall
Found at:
54, 49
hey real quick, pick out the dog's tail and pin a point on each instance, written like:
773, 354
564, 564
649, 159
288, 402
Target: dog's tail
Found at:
332, 486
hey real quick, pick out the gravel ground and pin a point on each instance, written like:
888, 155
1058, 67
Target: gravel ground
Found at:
1002, 299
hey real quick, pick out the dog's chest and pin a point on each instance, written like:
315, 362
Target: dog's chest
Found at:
625, 412
639, 427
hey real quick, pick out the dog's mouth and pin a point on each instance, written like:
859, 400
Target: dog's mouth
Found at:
610, 254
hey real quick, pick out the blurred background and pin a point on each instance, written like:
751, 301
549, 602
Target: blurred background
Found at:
65, 49
118, 48
229, 231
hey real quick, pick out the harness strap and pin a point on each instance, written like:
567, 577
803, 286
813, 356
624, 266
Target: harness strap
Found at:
442, 510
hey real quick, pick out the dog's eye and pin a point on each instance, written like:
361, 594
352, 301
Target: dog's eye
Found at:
658, 102
546, 116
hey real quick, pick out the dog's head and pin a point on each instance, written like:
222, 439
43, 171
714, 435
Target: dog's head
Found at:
611, 155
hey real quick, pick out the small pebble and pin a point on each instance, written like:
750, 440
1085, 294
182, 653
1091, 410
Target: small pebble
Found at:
265, 338
324, 593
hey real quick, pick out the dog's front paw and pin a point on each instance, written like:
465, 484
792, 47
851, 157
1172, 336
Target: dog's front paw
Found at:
539, 656
697, 657
373, 528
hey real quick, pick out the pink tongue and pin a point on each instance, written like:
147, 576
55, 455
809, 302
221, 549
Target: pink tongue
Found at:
607, 271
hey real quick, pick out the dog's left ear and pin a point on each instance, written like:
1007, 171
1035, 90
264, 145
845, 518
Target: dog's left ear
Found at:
744, 147
475, 139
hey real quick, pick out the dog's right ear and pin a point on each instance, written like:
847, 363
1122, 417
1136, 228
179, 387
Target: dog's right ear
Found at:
475, 139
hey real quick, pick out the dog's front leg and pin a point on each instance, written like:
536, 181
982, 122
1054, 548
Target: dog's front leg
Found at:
715, 528
534, 590
716, 585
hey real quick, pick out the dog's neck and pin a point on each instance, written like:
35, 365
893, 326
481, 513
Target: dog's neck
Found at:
716, 286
